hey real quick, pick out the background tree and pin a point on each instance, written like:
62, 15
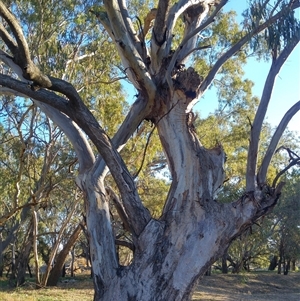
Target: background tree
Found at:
193, 224
285, 240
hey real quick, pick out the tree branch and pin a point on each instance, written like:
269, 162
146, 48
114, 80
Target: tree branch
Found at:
9, 61
277, 63
120, 209
166, 18
21, 52
147, 23
294, 160
136, 115
42, 95
130, 29
125, 243
194, 27
261, 176
132, 61
57, 85
237, 46
6, 217
8, 40
186, 48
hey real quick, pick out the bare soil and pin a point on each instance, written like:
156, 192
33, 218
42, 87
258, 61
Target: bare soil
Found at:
259, 286
255, 286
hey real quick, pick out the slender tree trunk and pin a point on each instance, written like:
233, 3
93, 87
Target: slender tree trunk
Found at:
273, 263
63, 273
281, 256
287, 267
61, 257
1, 256
224, 262
57, 242
35, 250
72, 262
294, 265
29, 270
208, 272
23, 259
224, 265
12, 278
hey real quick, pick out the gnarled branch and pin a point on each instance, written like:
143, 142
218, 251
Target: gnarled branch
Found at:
185, 47
21, 51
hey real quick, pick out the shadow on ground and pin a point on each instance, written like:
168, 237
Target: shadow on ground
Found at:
259, 286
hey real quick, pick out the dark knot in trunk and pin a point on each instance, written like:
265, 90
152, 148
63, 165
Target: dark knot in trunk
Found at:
188, 81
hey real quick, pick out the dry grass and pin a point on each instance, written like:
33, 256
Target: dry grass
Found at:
80, 288
260, 286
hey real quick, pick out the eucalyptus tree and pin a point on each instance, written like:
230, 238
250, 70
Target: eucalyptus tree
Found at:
172, 251
35, 165
43, 29
285, 239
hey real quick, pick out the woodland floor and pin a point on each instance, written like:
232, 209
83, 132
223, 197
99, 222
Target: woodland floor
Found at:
258, 286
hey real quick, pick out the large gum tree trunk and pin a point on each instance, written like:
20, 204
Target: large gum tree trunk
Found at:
194, 229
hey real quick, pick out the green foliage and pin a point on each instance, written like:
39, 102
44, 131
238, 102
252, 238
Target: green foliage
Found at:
66, 41
276, 36
286, 219
223, 33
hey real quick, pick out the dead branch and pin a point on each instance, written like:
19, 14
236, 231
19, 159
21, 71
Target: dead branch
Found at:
294, 160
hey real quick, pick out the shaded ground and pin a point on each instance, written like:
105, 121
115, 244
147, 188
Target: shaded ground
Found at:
259, 286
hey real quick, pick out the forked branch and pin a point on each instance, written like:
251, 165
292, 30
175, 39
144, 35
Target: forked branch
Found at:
130, 56
261, 176
294, 160
277, 63
183, 51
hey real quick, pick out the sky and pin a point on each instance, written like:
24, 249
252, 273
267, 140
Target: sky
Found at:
286, 90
